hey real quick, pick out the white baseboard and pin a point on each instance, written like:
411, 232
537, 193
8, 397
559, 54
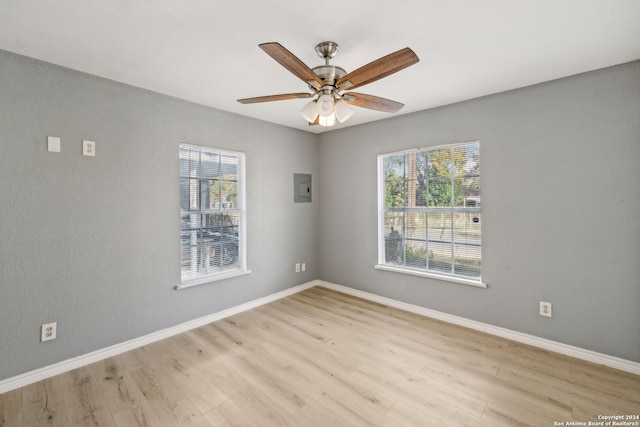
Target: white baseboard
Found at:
86, 359
95, 356
568, 350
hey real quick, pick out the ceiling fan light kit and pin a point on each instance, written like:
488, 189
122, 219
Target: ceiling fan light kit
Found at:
328, 81
309, 112
327, 110
342, 111
327, 121
325, 105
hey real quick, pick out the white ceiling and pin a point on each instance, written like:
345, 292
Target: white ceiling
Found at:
206, 51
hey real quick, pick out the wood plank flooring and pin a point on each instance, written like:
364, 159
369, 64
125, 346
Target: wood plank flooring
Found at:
324, 359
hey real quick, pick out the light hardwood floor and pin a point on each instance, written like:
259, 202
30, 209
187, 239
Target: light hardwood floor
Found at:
324, 359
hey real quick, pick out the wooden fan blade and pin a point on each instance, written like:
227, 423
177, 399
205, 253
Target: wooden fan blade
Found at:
372, 102
289, 61
315, 122
269, 98
378, 69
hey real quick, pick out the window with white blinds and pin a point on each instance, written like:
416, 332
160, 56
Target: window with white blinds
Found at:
429, 212
212, 214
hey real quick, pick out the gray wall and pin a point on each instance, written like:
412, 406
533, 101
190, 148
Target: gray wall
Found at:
93, 243
560, 183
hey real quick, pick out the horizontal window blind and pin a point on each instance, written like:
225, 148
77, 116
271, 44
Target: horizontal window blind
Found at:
430, 210
212, 215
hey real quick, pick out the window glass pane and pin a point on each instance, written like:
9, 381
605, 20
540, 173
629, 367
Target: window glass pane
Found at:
394, 165
229, 223
186, 261
228, 167
467, 160
193, 194
467, 260
440, 163
184, 193
422, 165
395, 193
228, 194
439, 193
190, 163
422, 194
467, 191
415, 225
189, 160
412, 198
220, 253
214, 252
393, 222
207, 262
416, 253
393, 226
221, 222
184, 163
416, 179
439, 257
210, 162
395, 182
190, 221
209, 194
393, 247
229, 251
420, 175
466, 227
219, 240
439, 230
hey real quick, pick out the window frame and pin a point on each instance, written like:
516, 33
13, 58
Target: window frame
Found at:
239, 210
382, 263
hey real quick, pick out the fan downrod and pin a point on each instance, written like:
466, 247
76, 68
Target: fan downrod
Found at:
329, 74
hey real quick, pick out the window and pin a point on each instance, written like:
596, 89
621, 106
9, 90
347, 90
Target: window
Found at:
212, 214
429, 212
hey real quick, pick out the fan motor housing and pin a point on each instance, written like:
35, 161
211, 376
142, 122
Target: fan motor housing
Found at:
329, 74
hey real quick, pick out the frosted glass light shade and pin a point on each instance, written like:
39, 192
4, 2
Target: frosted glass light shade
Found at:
324, 105
309, 111
343, 111
329, 120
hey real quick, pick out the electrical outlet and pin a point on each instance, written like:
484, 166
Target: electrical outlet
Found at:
48, 332
304, 266
88, 148
298, 268
545, 309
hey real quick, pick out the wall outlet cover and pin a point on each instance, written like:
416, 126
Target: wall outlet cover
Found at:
545, 309
88, 148
53, 144
48, 332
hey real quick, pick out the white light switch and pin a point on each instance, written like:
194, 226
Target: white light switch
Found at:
53, 144
88, 148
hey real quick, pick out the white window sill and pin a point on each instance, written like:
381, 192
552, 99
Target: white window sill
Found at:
419, 273
212, 278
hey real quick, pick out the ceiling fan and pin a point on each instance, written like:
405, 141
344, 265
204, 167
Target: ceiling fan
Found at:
327, 83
